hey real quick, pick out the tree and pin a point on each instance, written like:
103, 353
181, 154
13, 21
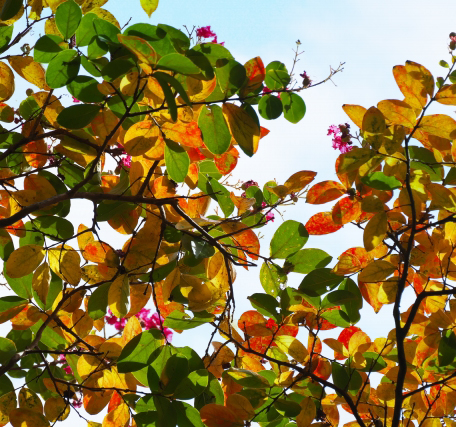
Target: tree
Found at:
164, 108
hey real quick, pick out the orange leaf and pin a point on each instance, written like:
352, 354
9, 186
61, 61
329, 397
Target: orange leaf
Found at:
214, 415
254, 324
299, 180
100, 252
103, 124
351, 261
398, 112
125, 222
325, 192
227, 161
141, 138
187, 134
198, 205
119, 417
243, 238
322, 223
35, 153
255, 74
192, 177
356, 113
346, 210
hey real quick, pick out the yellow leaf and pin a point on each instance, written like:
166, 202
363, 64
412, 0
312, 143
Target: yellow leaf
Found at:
36, 9
375, 231
41, 281
422, 74
103, 124
56, 409
7, 404
388, 291
118, 294
356, 113
141, 137
88, 5
299, 180
29, 70
439, 125
82, 322
373, 121
411, 86
64, 261
24, 261
149, 6
6, 82
197, 89
442, 197
376, 271
398, 112
27, 418
105, 15
243, 128
293, 347
118, 417
307, 414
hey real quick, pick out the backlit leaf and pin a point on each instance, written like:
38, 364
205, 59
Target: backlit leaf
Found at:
288, 239
24, 261
118, 295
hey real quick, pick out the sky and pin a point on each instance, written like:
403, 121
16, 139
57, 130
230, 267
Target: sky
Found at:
368, 37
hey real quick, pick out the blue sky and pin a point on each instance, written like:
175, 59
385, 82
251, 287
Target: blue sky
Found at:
370, 37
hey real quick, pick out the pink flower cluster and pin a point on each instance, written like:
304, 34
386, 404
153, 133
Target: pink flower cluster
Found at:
269, 216
306, 79
147, 321
341, 137
207, 33
124, 161
67, 368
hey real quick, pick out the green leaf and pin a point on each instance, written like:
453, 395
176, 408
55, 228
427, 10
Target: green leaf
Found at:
22, 339
277, 76
77, 116
146, 419
336, 298
447, 348
174, 372
294, 107
106, 31
175, 84
265, 304
85, 89
117, 68
287, 407
351, 308
337, 317
49, 337
271, 277
216, 135
306, 260
6, 34
86, 31
374, 362
98, 302
169, 97
11, 301
117, 106
270, 107
161, 273
192, 386
6, 385
213, 52
10, 9
424, 159
176, 160
288, 239
21, 286
213, 394
67, 18
136, 354
177, 63
54, 227
181, 321
231, 76
62, 69
246, 378
157, 37
269, 197
187, 415
380, 181
107, 209
6, 246
47, 47
320, 281
218, 192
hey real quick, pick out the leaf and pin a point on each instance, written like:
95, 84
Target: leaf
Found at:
319, 281
10, 8
377, 271
6, 82
322, 223
294, 107
306, 260
244, 238
277, 76
288, 239
47, 47
7, 350
271, 277
77, 116
137, 352
29, 70
422, 74
64, 261
24, 261
63, 68
177, 63
187, 415
246, 378
149, 6
356, 113
442, 197
447, 346
270, 107
176, 160
411, 86
325, 192
354, 159
398, 112
141, 137
22, 417
118, 294
307, 414
346, 210
380, 181
140, 47
439, 125
215, 132
214, 415
292, 346
243, 128
67, 18
85, 89
375, 231
41, 281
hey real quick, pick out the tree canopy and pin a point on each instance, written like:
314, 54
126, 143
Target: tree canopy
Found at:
157, 122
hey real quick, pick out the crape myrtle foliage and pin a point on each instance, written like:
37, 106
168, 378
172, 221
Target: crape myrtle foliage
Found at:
171, 114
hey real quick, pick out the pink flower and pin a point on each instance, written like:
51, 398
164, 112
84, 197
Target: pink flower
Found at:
306, 79
270, 216
266, 90
67, 369
125, 161
341, 137
205, 32
77, 403
75, 100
